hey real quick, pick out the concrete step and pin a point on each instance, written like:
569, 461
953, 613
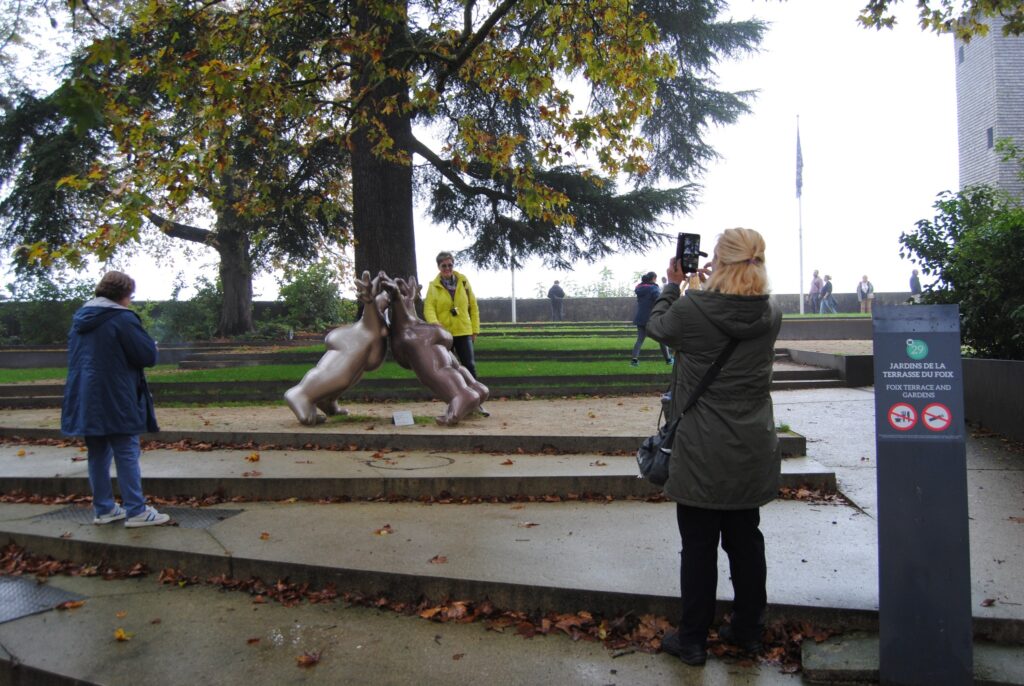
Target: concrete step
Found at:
339, 436
854, 658
610, 558
18, 396
359, 474
252, 358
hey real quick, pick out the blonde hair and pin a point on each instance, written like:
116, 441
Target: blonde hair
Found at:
739, 264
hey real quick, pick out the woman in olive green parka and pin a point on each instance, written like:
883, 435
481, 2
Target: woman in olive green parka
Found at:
725, 462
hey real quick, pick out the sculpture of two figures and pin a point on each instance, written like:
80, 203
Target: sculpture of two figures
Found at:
389, 312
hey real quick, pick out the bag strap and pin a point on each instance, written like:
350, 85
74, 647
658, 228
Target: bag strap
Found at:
710, 374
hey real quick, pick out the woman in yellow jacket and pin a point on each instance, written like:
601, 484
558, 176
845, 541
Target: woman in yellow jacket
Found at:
450, 302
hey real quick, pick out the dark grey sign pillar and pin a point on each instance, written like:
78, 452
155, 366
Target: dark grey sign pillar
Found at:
924, 570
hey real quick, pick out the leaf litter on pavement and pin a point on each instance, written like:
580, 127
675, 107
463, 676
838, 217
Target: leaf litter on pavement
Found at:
623, 634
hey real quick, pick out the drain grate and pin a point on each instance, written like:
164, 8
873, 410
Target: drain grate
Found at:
185, 517
21, 597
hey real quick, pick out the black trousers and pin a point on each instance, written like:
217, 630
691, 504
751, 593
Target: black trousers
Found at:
743, 542
463, 349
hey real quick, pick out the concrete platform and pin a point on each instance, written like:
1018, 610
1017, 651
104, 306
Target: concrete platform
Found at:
281, 474
607, 424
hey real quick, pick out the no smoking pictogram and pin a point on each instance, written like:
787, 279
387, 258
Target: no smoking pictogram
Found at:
937, 417
902, 417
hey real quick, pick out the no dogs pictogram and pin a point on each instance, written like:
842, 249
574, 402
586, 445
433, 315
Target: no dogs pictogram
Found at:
902, 417
937, 417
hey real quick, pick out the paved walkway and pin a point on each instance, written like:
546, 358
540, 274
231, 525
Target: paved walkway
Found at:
561, 556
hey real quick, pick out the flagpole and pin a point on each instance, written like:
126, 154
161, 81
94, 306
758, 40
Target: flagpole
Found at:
512, 268
800, 208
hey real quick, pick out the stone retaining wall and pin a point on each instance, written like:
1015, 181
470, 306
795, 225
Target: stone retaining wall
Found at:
993, 397
621, 309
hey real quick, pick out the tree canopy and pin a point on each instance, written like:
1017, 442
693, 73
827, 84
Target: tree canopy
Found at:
540, 128
963, 18
972, 251
118, 147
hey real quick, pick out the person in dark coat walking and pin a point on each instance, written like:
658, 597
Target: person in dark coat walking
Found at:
828, 301
647, 293
724, 464
915, 287
556, 295
107, 400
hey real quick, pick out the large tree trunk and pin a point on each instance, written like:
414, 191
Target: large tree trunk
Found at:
382, 218
232, 244
236, 280
382, 213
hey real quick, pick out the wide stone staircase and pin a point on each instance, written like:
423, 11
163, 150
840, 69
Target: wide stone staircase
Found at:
523, 512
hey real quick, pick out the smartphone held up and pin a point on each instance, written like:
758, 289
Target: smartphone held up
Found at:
688, 252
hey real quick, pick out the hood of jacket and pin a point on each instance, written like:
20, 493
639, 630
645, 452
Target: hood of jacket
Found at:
94, 313
738, 316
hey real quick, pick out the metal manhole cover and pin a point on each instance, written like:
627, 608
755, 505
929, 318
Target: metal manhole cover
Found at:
21, 597
185, 517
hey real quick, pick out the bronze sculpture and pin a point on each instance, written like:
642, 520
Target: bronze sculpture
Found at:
351, 350
360, 347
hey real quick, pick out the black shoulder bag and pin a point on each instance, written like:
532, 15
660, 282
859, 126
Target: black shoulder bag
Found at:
654, 455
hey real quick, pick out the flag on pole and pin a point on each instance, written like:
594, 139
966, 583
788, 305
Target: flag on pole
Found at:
799, 164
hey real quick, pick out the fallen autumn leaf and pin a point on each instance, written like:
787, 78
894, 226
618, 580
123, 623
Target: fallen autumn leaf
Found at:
71, 604
308, 659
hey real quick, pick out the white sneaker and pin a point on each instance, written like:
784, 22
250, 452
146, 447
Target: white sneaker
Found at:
117, 513
148, 517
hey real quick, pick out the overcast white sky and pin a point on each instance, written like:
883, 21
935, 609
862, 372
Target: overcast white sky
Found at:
878, 132
877, 114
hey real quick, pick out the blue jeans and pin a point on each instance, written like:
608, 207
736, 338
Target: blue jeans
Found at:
124, 450
641, 336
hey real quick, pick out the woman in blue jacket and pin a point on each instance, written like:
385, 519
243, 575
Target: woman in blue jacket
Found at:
107, 400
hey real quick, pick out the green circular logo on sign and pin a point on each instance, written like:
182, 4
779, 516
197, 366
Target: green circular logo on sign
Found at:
916, 349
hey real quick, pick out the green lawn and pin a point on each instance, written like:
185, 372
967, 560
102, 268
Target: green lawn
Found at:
389, 370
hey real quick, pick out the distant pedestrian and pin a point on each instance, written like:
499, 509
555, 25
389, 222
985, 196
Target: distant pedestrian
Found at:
865, 294
915, 287
556, 295
828, 303
647, 293
815, 292
107, 400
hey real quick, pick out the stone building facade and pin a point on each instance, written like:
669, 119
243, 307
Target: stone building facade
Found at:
990, 106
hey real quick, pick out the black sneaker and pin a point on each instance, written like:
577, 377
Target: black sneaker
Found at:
746, 643
693, 654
